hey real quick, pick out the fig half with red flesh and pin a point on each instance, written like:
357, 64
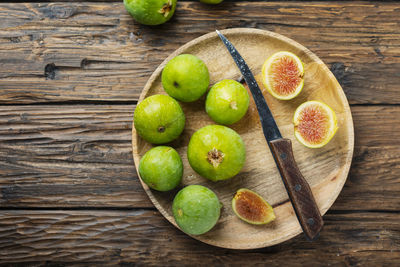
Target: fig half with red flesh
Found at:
315, 124
251, 207
283, 75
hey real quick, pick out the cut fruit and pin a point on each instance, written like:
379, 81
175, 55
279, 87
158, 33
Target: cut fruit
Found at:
283, 75
252, 208
315, 124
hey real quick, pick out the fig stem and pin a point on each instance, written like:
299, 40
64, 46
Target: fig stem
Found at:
233, 105
166, 8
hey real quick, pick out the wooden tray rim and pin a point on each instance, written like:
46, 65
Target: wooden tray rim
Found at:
341, 176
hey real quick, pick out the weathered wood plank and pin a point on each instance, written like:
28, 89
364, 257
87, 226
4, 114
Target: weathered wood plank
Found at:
80, 156
94, 51
145, 237
68, 151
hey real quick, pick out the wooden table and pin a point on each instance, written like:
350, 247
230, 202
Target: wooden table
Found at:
70, 75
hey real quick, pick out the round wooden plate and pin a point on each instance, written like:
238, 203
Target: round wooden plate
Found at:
325, 169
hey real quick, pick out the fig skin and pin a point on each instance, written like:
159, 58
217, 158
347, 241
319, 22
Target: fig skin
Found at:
257, 207
212, 2
159, 119
161, 168
216, 152
185, 78
196, 209
151, 12
227, 102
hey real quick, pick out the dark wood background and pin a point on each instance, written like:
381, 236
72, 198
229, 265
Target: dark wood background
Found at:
70, 76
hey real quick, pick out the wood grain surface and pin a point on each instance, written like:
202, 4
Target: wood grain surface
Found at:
70, 75
94, 51
81, 156
143, 236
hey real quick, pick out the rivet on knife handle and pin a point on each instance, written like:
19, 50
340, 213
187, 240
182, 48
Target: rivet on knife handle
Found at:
297, 187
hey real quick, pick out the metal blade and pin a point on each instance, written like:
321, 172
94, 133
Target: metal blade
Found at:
270, 129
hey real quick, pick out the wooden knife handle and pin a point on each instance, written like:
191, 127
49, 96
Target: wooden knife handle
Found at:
298, 189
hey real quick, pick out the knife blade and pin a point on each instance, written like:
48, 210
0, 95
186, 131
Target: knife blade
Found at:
299, 191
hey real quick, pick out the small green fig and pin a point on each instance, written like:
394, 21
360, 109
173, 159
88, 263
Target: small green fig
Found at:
185, 78
227, 102
161, 168
196, 209
216, 152
151, 12
159, 119
213, 2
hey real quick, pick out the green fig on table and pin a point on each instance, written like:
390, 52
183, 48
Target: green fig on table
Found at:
216, 152
227, 102
196, 209
185, 78
159, 119
151, 12
161, 168
212, 2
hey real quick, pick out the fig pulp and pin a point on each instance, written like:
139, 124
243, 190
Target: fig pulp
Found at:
161, 168
251, 207
159, 119
315, 124
283, 75
216, 152
196, 209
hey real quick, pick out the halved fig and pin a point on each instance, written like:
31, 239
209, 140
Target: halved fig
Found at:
283, 75
251, 207
315, 124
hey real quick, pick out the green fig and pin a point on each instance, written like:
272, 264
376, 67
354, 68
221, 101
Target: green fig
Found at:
159, 119
227, 102
216, 152
185, 78
196, 209
161, 168
212, 2
151, 12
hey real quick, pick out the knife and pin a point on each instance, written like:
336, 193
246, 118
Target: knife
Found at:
299, 191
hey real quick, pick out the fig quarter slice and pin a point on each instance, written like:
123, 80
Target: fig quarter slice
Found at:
251, 207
